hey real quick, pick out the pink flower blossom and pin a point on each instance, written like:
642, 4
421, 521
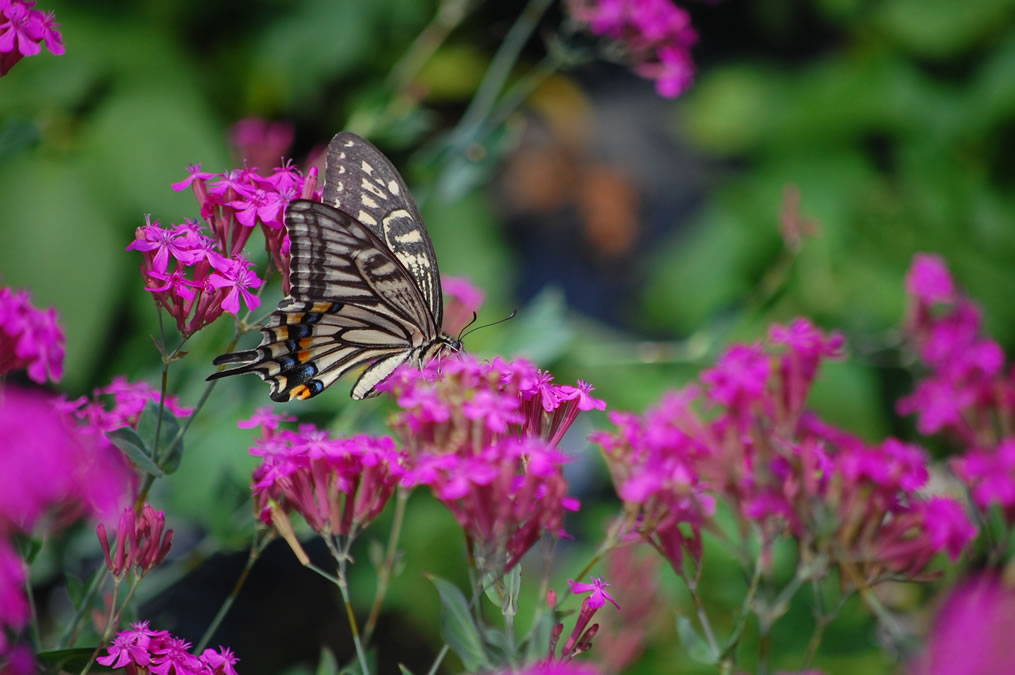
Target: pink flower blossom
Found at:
338, 485
29, 338
752, 442
972, 631
928, 279
464, 299
655, 35
23, 30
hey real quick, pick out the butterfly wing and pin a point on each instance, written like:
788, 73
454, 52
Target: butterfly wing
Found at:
361, 182
352, 304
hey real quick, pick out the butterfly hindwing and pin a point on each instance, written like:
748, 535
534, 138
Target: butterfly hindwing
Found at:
361, 182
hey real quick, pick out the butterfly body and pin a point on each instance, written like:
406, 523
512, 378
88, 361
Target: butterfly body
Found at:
365, 289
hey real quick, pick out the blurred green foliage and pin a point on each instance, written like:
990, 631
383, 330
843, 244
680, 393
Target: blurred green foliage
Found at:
896, 124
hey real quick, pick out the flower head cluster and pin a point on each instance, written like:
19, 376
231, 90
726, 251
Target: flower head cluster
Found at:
483, 437
235, 202
143, 650
746, 437
655, 35
50, 473
22, 32
119, 404
201, 283
463, 300
29, 338
966, 394
142, 541
338, 485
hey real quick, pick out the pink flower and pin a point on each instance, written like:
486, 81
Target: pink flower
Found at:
972, 631
505, 495
13, 603
740, 377
22, 30
29, 338
48, 466
237, 277
655, 35
220, 662
338, 485
464, 299
928, 279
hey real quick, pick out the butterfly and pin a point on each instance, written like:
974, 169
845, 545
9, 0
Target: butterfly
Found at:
365, 290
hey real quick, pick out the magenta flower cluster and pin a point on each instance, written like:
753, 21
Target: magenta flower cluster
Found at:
745, 436
656, 35
338, 485
483, 437
22, 32
51, 472
142, 541
143, 650
119, 404
235, 202
966, 395
196, 277
30, 338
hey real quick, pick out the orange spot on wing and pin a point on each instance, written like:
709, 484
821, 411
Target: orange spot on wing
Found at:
300, 391
305, 343
321, 307
303, 356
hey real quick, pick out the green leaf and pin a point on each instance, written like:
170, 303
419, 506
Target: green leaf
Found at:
402, 669
75, 589
695, 645
168, 430
28, 548
135, 448
71, 660
327, 664
457, 627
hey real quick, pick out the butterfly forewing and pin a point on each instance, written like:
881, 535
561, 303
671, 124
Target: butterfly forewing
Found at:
365, 288
361, 182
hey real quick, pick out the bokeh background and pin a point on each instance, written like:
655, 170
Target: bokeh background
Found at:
823, 143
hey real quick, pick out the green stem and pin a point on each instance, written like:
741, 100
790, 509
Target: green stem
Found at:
384, 573
341, 555
500, 67
113, 620
437, 661
256, 548
33, 621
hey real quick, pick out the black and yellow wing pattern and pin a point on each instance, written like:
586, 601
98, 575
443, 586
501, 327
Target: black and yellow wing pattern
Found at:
364, 284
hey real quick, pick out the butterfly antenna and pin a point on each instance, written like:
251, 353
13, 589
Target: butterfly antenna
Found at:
512, 315
466, 326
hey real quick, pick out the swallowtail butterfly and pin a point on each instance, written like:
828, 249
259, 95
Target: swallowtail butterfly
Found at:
365, 288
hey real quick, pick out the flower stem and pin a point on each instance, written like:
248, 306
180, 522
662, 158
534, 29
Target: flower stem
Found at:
437, 661
256, 548
341, 555
385, 570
